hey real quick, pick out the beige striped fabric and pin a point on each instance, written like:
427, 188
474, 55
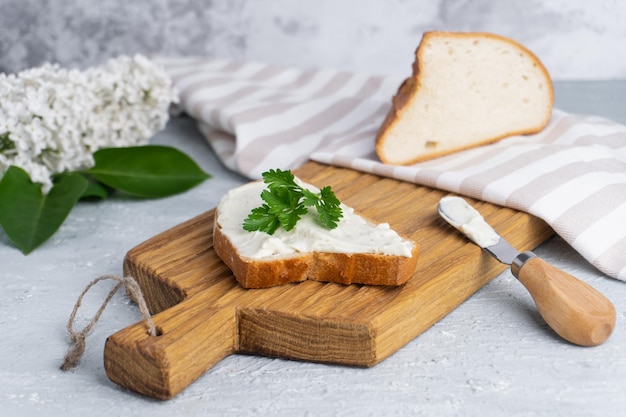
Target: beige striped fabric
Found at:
257, 117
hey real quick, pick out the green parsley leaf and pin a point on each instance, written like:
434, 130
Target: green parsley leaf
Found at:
310, 199
329, 208
276, 178
286, 203
261, 219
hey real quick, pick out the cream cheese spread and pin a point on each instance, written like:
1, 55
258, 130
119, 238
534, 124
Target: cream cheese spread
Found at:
353, 234
469, 221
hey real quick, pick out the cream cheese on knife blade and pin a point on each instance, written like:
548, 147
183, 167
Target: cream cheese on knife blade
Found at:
469, 221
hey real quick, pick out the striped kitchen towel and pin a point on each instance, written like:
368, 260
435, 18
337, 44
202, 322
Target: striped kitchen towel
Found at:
257, 117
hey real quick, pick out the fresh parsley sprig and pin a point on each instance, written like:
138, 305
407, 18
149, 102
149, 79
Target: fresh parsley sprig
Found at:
286, 202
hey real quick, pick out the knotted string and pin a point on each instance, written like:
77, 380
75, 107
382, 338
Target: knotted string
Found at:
78, 338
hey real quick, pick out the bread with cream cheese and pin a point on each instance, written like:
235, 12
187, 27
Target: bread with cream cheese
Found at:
308, 252
466, 90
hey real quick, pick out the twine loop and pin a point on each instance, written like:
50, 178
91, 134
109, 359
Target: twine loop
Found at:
78, 338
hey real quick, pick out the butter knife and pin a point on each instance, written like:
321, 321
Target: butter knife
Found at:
573, 309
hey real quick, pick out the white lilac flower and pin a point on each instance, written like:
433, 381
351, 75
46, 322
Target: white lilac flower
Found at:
52, 119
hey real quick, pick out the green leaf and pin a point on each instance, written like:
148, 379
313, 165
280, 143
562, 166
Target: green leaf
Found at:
261, 219
285, 205
147, 171
95, 190
278, 179
287, 202
329, 208
310, 199
30, 217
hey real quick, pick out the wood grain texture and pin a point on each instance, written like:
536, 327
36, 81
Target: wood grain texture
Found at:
203, 315
572, 308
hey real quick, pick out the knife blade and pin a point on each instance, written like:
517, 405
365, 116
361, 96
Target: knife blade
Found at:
572, 308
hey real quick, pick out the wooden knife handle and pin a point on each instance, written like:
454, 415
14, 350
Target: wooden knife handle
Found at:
571, 307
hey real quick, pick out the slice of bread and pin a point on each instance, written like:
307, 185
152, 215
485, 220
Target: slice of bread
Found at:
357, 251
466, 90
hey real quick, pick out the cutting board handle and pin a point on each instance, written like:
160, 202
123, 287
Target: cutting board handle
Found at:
161, 366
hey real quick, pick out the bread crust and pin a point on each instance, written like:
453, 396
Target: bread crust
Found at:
410, 87
344, 268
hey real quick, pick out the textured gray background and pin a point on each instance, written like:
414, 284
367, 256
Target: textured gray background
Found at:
576, 39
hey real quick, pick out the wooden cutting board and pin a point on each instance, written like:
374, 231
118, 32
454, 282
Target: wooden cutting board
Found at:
203, 315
